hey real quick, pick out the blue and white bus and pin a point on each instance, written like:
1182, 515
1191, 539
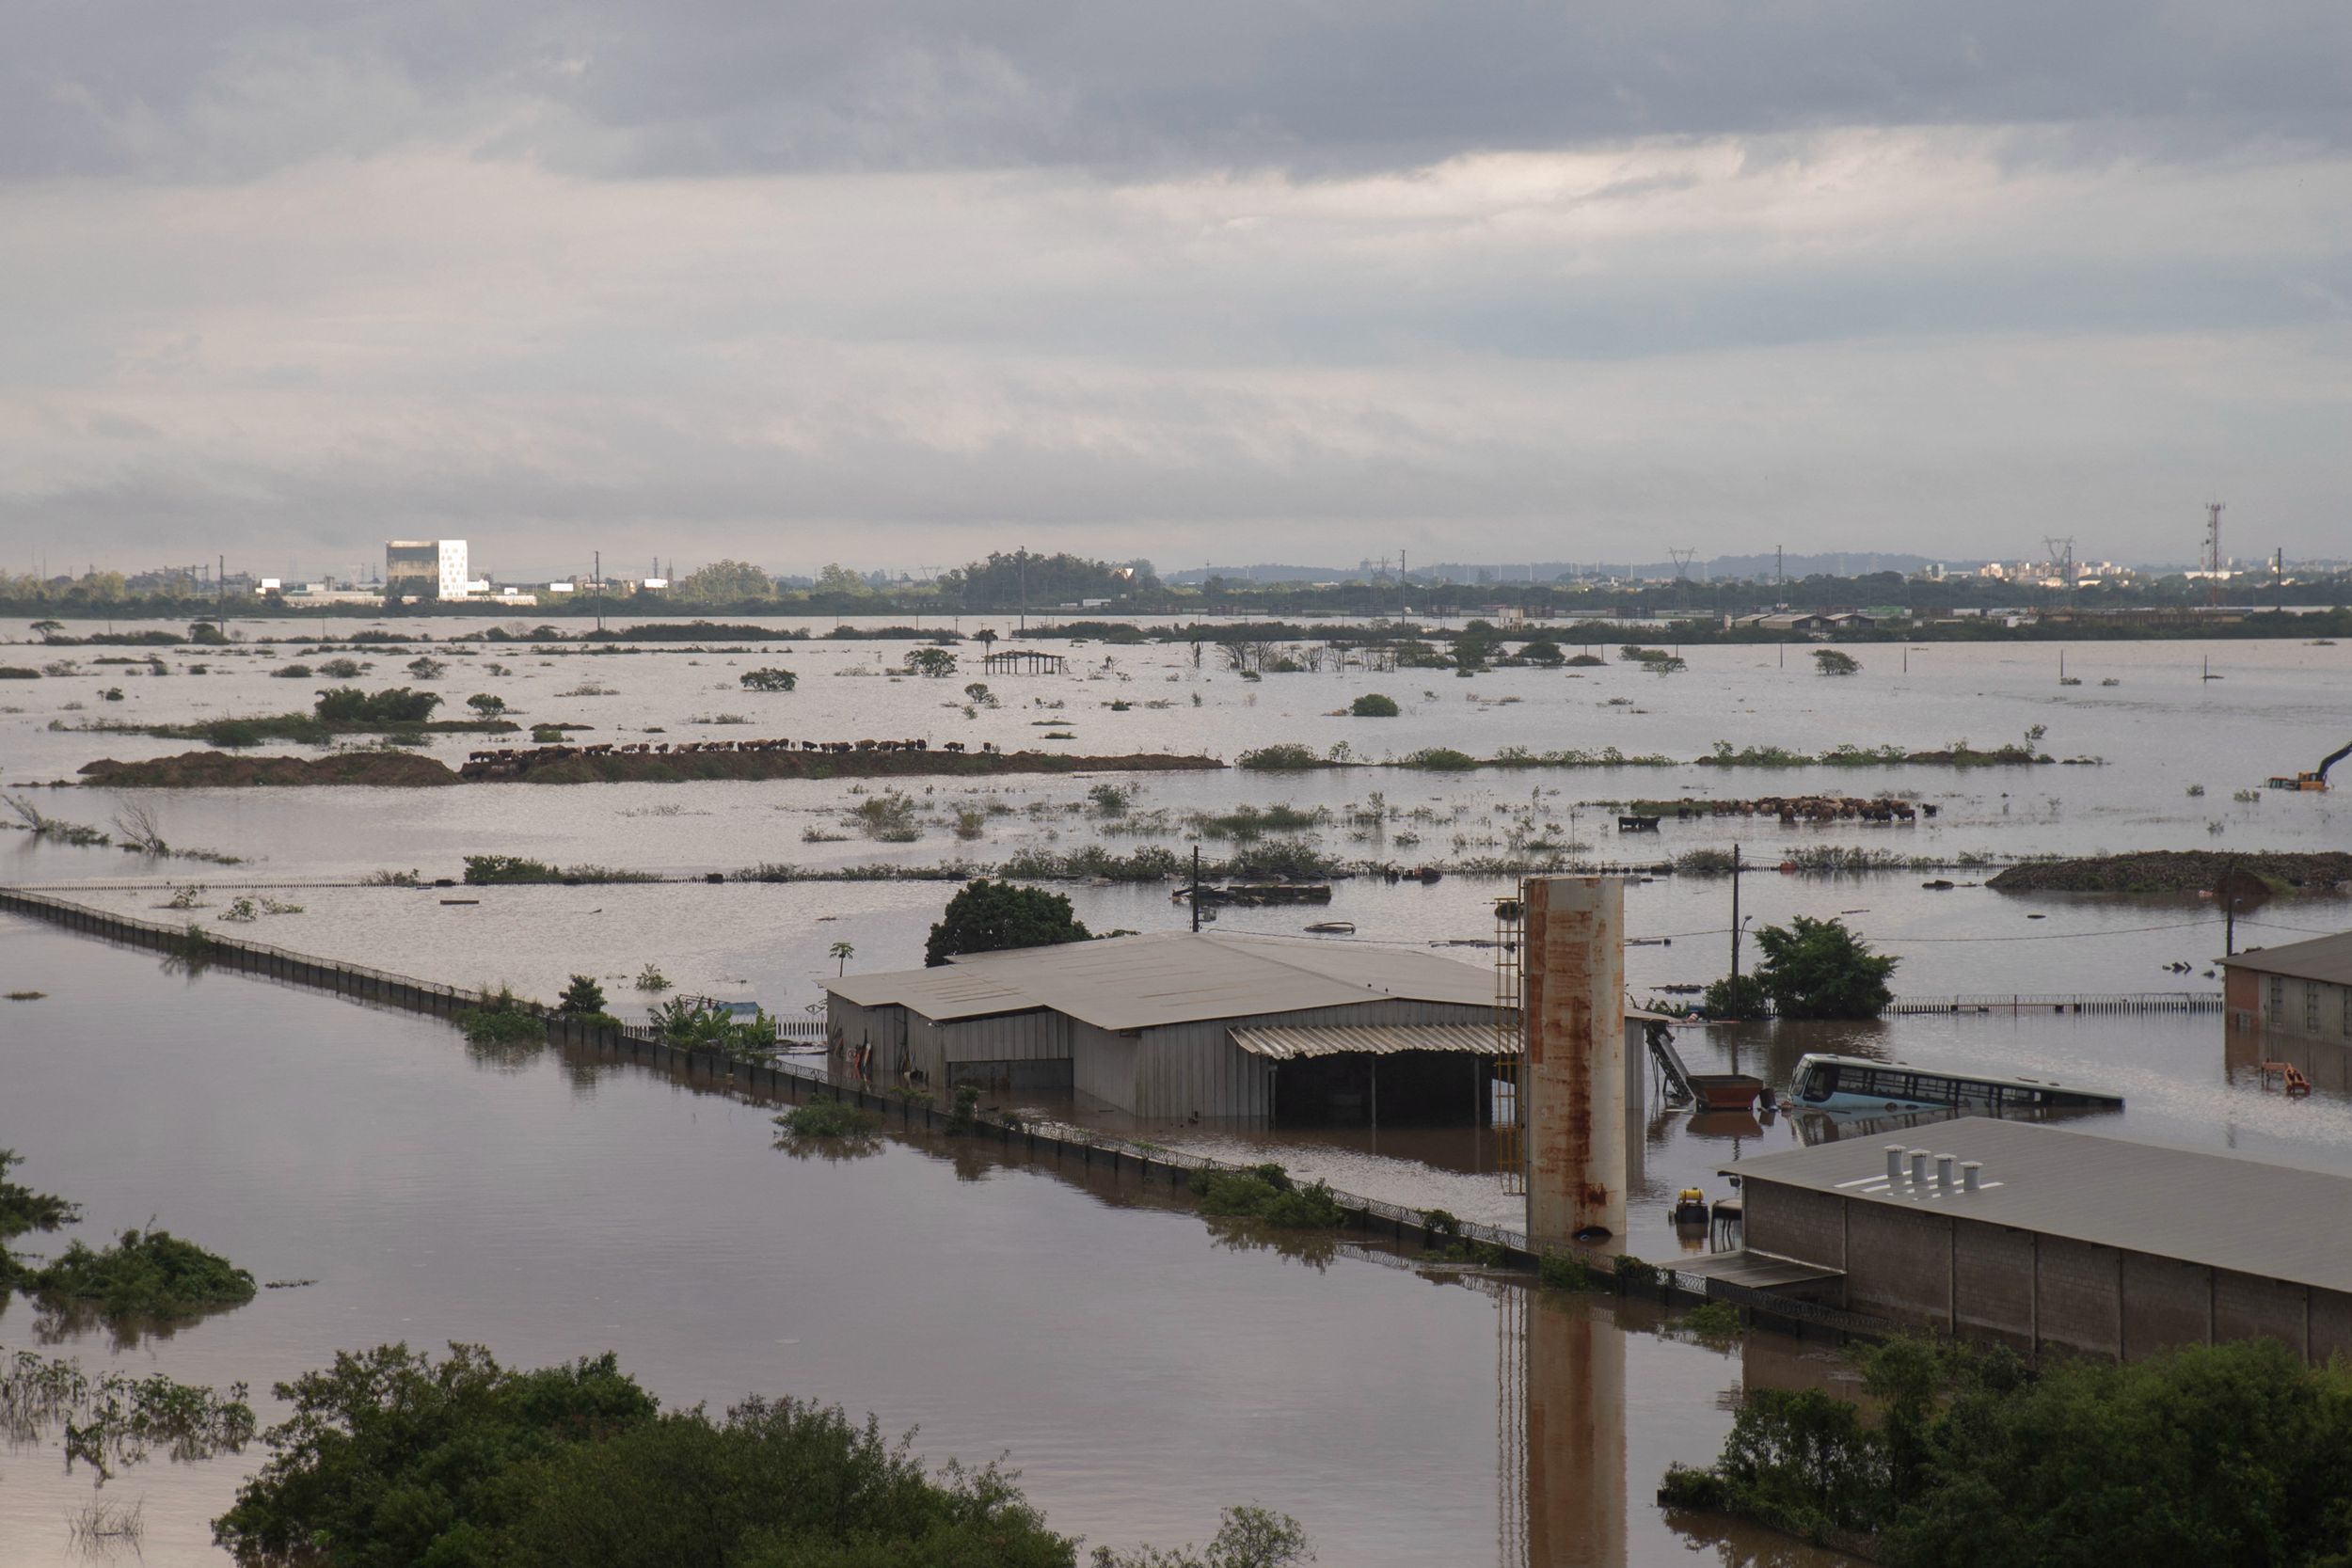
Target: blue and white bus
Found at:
1827, 1083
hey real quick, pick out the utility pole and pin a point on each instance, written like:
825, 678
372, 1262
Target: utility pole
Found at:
220, 582
1735, 920
599, 555
2229, 910
1194, 900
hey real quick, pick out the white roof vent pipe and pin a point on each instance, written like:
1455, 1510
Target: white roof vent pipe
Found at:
1944, 1172
1969, 1171
1918, 1167
1895, 1164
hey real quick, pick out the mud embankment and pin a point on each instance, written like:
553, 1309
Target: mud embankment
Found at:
2181, 871
216, 771
229, 770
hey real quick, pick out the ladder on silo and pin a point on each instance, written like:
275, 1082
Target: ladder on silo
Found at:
1510, 1055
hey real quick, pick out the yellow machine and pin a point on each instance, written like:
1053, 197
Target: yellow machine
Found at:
2317, 777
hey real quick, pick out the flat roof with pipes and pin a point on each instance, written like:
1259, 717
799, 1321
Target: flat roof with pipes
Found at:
2219, 1210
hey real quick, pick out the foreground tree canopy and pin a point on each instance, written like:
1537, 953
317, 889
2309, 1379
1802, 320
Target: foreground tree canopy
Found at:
987, 916
394, 1460
2214, 1456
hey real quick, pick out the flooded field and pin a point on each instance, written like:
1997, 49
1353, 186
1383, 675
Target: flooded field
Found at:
2175, 752
1139, 1368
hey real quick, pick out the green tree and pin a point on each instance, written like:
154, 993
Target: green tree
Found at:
205, 633
1006, 582
1477, 644
1741, 998
767, 680
392, 1458
1819, 969
47, 630
1373, 705
1247, 1537
486, 704
1541, 650
933, 663
583, 995
1830, 662
397, 705
985, 918
840, 582
725, 582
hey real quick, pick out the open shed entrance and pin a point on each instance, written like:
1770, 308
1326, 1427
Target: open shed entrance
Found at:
1381, 1074
1403, 1088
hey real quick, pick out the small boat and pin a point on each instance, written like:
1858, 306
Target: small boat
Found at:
1828, 1083
1334, 928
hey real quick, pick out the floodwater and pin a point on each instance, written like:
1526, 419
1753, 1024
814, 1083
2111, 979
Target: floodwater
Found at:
2159, 732
1139, 1368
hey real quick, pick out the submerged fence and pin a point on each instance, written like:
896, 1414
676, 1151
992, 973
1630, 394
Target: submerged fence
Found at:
2119, 1001
718, 1072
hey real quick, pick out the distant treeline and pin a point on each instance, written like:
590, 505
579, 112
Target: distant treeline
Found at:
1021, 584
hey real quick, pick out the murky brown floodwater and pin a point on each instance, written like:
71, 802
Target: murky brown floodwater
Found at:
1140, 1368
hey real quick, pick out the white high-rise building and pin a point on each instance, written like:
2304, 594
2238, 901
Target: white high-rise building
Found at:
438, 563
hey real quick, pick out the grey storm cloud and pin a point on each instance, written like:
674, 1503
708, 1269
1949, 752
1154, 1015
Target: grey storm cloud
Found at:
1227, 280
707, 87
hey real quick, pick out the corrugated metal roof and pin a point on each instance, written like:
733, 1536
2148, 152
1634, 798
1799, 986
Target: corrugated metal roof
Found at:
2327, 959
2275, 1221
951, 990
1378, 1039
1172, 977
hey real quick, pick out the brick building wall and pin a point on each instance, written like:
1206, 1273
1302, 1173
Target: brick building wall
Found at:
2166, 1304
1898, 1263
1795, 1222
2244, 1306
2078, 1306
1992, 1282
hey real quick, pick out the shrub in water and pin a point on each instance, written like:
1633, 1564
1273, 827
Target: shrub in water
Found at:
147, 1274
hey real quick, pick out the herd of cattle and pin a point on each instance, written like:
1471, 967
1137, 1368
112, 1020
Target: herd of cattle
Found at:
509, 762
1793, 809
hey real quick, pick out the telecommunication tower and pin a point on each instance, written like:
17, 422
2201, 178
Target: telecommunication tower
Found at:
2213, 552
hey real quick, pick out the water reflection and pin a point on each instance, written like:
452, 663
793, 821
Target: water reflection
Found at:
1570, 1492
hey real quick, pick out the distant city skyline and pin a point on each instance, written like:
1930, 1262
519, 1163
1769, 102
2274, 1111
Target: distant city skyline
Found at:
900, 282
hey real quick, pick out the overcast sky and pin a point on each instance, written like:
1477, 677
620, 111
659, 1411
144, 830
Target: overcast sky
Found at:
896, 281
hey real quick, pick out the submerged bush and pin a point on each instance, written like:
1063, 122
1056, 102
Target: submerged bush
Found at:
830, 1119
1265, 1194
1373, 705
147, 1274
1565, 1271
1286, 757
398, 705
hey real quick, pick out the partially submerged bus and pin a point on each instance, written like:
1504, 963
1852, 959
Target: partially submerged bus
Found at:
1826, 1083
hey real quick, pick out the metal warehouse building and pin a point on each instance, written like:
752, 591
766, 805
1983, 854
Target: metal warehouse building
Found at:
2055, 1239
2301, 990
1182, 1024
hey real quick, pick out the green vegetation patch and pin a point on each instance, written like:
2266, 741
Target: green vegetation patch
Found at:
497, 870
1266, 1194
392, 1457
1286, 757
147, 1274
